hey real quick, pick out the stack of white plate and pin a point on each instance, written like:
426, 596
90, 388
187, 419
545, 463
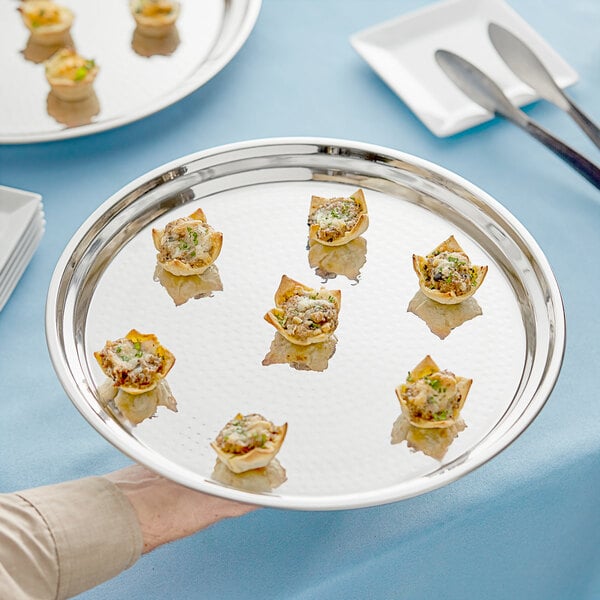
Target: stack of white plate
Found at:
22, 226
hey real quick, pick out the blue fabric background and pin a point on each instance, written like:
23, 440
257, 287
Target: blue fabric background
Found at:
526, 524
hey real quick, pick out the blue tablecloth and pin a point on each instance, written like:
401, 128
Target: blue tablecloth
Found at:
524, 525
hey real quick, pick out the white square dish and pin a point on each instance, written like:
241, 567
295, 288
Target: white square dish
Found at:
17, 209
11, 277
402, 52
22, 226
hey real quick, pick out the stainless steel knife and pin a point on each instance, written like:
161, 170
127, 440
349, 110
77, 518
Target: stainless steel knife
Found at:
524, 63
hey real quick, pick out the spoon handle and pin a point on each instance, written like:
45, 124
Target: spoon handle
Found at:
587, 125
581, 164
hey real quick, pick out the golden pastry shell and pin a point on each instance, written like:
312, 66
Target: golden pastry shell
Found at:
158, 349
52, 33
155, 26
449, 245
359, 227
253, 459
425, 368
68, 89
181, 268
289, 287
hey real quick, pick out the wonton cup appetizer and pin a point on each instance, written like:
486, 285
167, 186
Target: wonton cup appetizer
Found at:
135, 363
431, 398
248, 442
336, 221
154, 18
303, 315
187, 246
48, 22
71, 76
446, 274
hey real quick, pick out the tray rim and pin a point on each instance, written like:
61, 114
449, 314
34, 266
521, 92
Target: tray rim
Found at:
211, 66
109, 429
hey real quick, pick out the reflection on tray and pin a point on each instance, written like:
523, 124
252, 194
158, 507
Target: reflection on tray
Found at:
432, 442
38, 53
260, 480
147, 46
183, 288
443, 318
330, 261
136, 408
73, 114
312, 357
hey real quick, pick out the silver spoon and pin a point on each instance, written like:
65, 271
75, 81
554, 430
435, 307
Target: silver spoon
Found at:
529, 68
485, 92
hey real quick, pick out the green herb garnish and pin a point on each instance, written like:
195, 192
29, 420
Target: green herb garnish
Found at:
434, 383
193, 234
82, 71
80, 74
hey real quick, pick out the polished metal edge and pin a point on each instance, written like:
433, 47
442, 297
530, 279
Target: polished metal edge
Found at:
241, 17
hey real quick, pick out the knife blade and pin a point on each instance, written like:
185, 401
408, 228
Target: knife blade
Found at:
526, 65
484, 91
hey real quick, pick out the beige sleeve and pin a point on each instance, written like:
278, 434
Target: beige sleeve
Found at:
59, 540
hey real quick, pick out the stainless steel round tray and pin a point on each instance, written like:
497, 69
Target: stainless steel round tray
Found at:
138, 75
346, 445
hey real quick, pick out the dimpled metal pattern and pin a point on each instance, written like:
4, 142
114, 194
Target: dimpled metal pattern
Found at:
338, 452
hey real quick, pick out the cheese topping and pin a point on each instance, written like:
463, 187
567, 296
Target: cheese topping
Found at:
131, 363
307, 314
188, 241
41, 12
449, 272
244, 433
67, 64
153, 8
434, 397
335, 218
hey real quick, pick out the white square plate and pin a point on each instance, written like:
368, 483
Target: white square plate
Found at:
402, 51
11, 277
17, 209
